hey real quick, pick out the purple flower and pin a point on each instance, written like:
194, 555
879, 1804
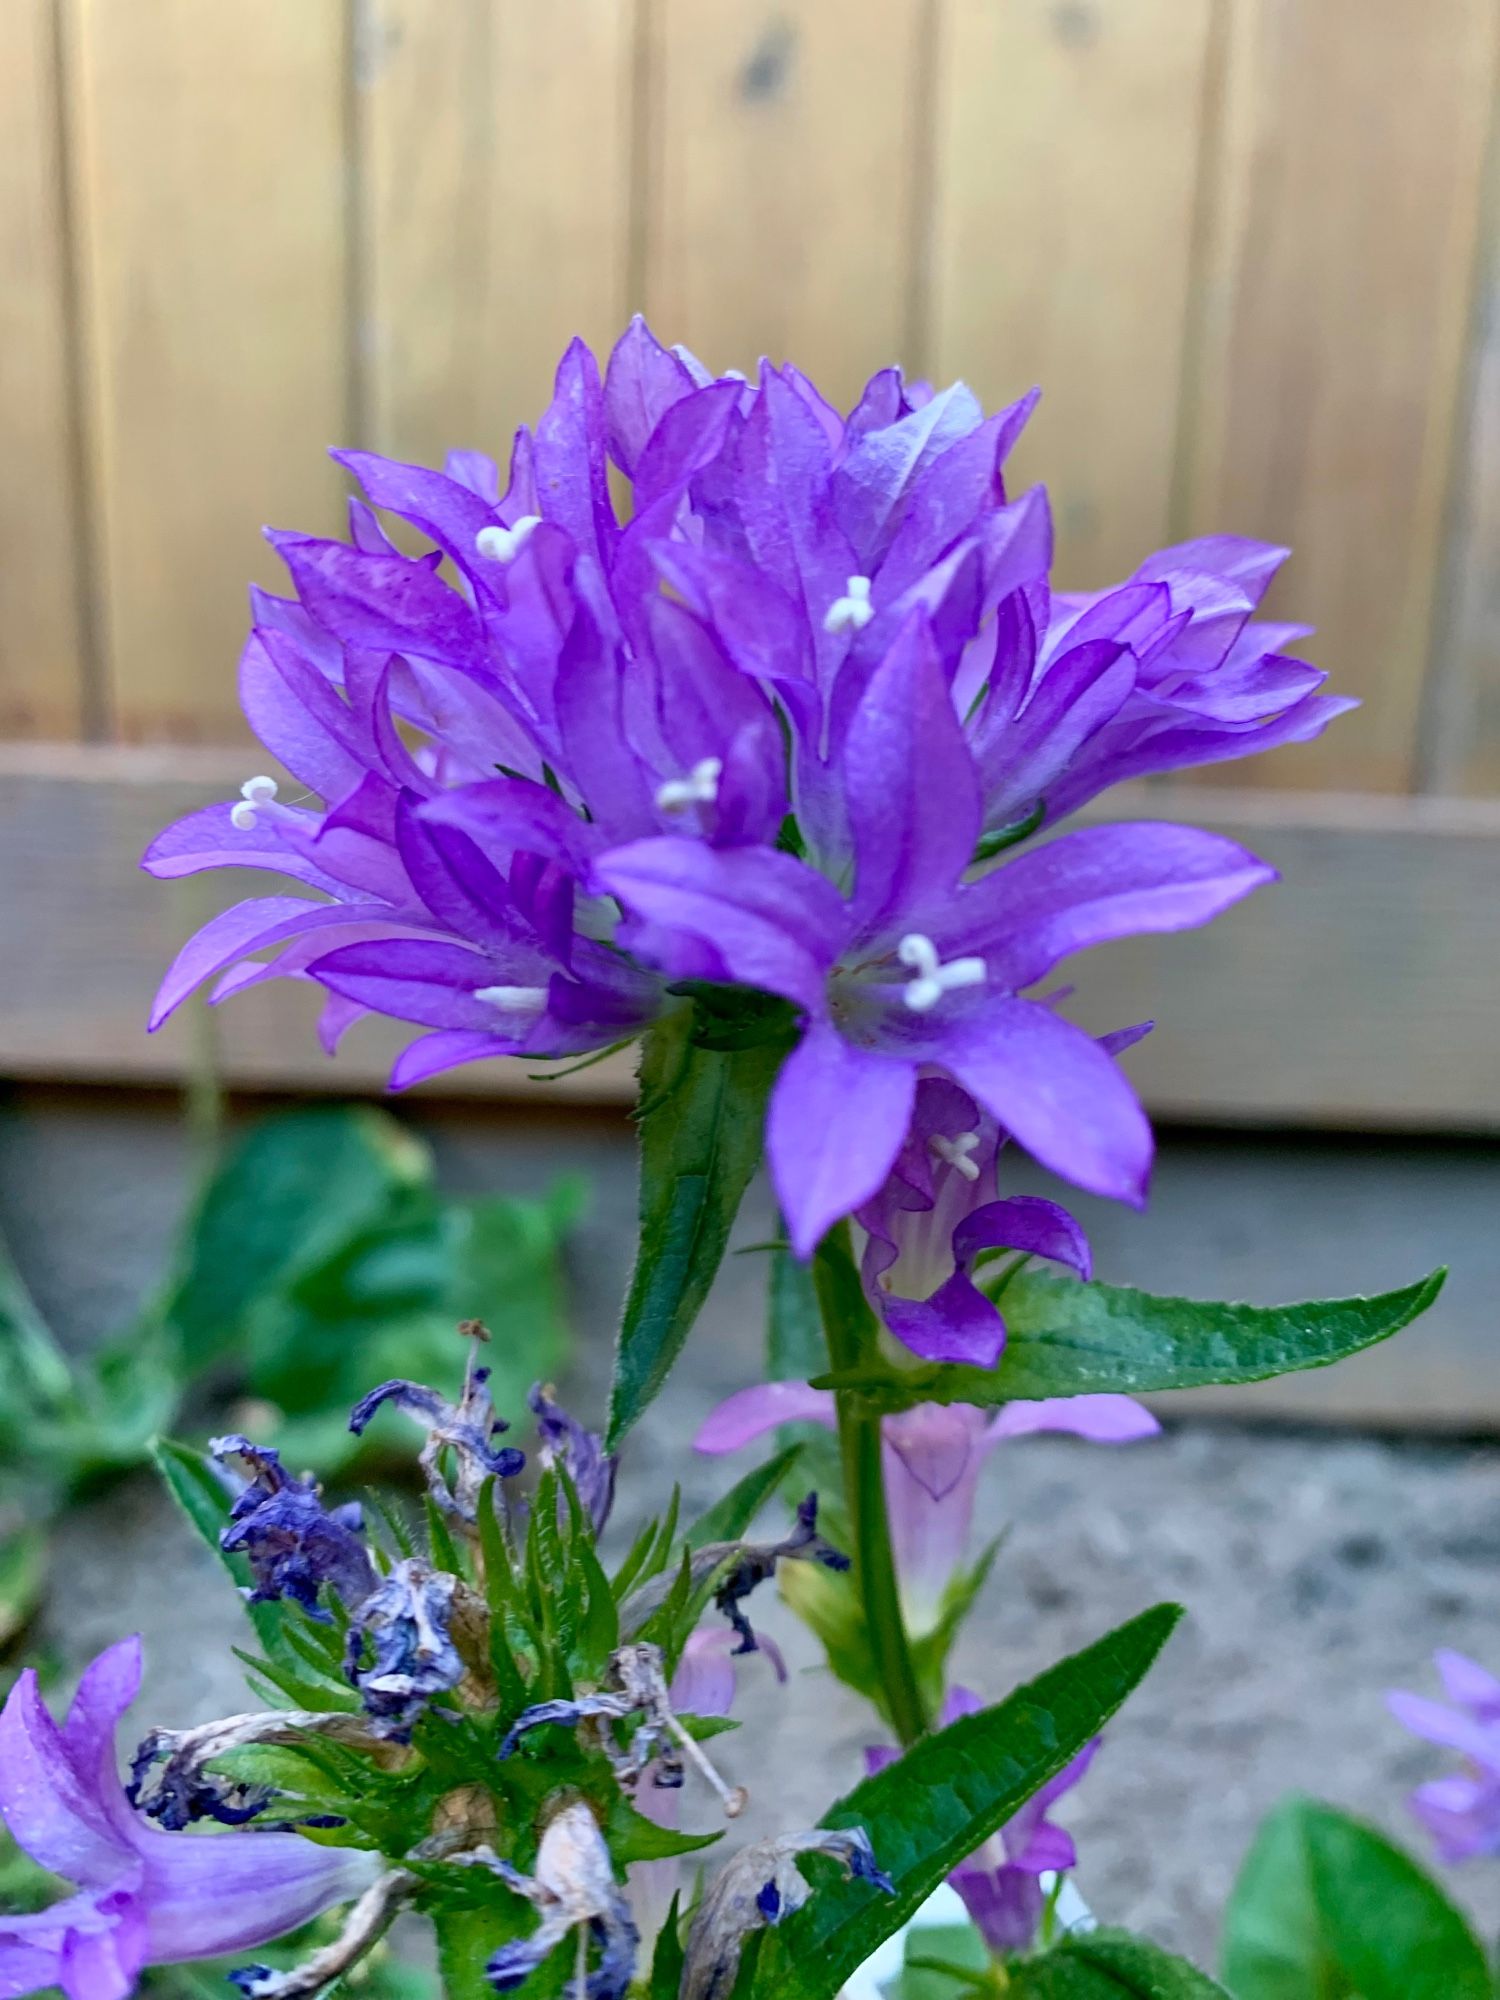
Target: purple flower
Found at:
1462, 1811
294, 1544
144, 1897
936, 1215
579, 1451
763, 733
934, 1455
1000, 1884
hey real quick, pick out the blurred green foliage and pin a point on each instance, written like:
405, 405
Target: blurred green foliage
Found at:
317, 1258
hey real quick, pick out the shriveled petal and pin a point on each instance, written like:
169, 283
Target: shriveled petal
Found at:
1055, 1090
837, 1118
749, 1413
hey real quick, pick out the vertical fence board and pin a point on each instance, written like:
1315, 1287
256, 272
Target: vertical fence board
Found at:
1338, 273
1461, 735
41, 664
1067, 160
496, 137
783, 171
211, 219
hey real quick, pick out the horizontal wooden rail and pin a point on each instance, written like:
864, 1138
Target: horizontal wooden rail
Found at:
1360, 991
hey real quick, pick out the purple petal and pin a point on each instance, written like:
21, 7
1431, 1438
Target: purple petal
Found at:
1447, 1726
914, 818
208, 838
1023, 1222
1470, 1685
299, 716
874, 482
837, 1118
955, 1323
433, 983
381, 601
641, 383
444, 508
58, 1812
219, 1893
749, 1413
1055, 1091
430, 1055
1104, 1419
265, 920
1088, 887
745, 916
572, 479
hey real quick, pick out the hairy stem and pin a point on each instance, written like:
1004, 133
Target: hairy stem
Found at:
849, 1327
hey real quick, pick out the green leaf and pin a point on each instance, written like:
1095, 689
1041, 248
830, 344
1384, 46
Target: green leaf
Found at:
1111, 1965
946, 1796
191, 1483
1071, 1339
23, 1575
701, 1117
293, 1189
795, 1347
729, 1517
667, 1959
1326, 1908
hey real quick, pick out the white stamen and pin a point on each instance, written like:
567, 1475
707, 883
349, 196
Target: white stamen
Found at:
699, 788
854, 612
934, 978
956, 1152
503, 545
514, 999
254, 792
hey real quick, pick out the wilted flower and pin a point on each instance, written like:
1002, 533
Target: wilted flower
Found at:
408, 1621
466, 1429
579, 1451
759, 1886
1462, 1811
294, 1544
761, 734
573, 1890
933, 1455
144, 1896
1001, 1884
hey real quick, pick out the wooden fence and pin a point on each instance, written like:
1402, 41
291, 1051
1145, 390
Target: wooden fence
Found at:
1247, 246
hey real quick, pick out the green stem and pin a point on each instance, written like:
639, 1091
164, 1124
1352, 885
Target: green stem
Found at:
850, 1330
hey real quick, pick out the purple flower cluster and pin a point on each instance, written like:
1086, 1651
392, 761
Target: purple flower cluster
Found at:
771, 731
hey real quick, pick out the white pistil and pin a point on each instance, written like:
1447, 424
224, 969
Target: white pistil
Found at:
853, 612
934, 978
699, 788
503, 545
254, 792
514, 999
955, 1152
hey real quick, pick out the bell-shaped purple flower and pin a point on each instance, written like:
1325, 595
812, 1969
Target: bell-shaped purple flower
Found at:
144, 1897
934, 1455
1001, 1883
937, 1214
1460, 1811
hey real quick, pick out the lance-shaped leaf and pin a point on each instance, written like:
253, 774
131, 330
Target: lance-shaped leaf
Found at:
945, 1797
1112, 1965
1071, 1339
701, 1116
1324, 1905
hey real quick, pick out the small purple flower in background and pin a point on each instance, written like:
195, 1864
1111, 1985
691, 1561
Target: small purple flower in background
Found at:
1462, 1811
766, 732
144, 1897
1001, 1884
934, 1455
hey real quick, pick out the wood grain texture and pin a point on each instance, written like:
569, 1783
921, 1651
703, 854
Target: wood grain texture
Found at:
210, 179
1359, 992
1460, 747
1068, 140
783, 168
42, 669
1338, 273
496, 143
